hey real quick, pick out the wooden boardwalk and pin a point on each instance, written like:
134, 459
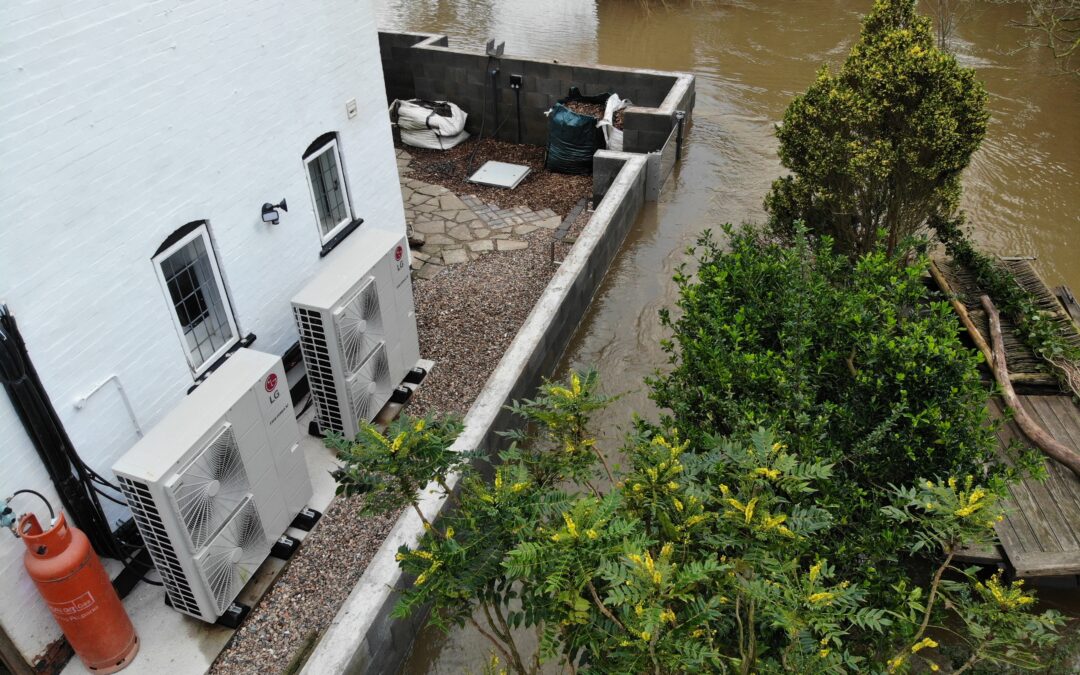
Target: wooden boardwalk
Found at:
1040, 535
1041, 530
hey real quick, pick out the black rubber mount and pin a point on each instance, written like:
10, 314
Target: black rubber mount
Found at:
401, 395
284, 547
313, 429
234, 616
416, 375
306, 519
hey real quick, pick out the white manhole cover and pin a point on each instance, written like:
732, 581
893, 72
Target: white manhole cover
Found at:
500, 174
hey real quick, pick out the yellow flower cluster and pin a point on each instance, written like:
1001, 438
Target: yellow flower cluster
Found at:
821, 597
923, 644
1007, 597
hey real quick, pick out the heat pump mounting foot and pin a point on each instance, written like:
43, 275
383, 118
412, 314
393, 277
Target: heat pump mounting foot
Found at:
416, 375
401, 395
284, 547
313, 429
306, 519
234, 616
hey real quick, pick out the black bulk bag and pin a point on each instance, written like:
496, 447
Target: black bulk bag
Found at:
573, 138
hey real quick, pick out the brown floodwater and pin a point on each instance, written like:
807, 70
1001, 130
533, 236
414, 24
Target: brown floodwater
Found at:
1022, 191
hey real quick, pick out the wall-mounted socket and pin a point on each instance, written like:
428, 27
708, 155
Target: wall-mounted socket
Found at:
350, 108
515, 82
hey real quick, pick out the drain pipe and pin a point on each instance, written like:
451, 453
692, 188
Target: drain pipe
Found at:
81, 402
680, 117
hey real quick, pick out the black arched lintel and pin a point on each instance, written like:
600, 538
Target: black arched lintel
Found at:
178, 234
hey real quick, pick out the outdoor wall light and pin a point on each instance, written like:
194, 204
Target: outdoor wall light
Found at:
269, 211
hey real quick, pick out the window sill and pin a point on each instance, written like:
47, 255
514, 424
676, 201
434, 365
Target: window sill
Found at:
340, 237
245, 341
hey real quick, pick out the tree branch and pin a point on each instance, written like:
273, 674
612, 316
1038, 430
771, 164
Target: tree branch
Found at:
1047, 443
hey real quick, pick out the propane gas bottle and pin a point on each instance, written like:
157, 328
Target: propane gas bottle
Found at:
75, 587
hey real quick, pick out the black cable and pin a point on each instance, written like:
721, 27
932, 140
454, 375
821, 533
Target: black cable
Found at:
52, 514
112, 499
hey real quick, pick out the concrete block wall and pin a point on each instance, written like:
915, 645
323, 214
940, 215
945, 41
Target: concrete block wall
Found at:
363, 638
421, 65
120, 122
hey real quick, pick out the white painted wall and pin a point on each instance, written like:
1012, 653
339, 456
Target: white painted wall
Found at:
122, 120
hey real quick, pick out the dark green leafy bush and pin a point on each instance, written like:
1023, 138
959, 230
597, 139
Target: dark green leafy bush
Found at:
852, 363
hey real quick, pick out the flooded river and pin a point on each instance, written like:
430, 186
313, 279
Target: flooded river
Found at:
1022, 192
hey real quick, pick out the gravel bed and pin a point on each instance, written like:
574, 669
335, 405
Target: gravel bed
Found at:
541, 188
467, 315
306, 596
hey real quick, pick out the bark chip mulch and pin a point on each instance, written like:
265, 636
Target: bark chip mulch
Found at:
541, 189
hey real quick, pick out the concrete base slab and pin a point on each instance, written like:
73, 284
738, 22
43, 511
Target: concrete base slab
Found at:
177, 644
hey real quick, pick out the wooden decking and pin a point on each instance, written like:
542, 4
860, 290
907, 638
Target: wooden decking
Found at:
1040, 535
1025, 369
1041, 530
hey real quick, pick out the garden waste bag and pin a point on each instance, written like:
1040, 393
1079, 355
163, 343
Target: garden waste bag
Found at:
573, 138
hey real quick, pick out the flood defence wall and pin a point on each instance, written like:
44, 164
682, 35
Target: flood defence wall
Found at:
424, 65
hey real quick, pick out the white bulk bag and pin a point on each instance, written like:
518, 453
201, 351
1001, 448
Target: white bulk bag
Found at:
612, 136
422, 125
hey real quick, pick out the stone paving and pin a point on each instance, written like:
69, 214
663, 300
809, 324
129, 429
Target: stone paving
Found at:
455, 230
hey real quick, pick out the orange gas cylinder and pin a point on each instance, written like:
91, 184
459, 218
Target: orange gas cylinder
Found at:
74, 585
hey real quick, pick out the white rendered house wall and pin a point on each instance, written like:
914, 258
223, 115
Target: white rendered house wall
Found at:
122, 121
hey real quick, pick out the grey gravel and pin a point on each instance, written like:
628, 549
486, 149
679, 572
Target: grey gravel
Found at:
467, 315
306, 596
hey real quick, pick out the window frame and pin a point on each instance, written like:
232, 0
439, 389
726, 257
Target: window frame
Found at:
331, 144
201, 231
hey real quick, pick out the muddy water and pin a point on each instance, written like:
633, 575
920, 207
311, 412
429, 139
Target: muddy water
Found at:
1022, 191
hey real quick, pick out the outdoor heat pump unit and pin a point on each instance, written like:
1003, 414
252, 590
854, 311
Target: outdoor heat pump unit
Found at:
357, 326
214, 485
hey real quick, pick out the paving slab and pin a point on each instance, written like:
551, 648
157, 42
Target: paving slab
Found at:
430, 226
510, 245
461, 233
482, 245
429, 270
451, 202
441, 240
455, 256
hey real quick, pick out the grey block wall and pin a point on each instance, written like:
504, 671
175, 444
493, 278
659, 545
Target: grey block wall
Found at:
418, 65
363, 637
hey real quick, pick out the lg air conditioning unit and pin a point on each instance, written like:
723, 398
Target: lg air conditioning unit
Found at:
357, 328
215, 484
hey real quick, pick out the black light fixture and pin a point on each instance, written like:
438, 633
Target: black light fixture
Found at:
269, 211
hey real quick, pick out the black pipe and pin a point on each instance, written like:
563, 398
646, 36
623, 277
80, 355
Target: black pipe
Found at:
495, 95
517, 105
50, 440
680, 116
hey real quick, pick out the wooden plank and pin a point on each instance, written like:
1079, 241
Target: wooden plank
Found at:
1052, 412
983, 555
1015, 532
1052, 506
1045, 564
